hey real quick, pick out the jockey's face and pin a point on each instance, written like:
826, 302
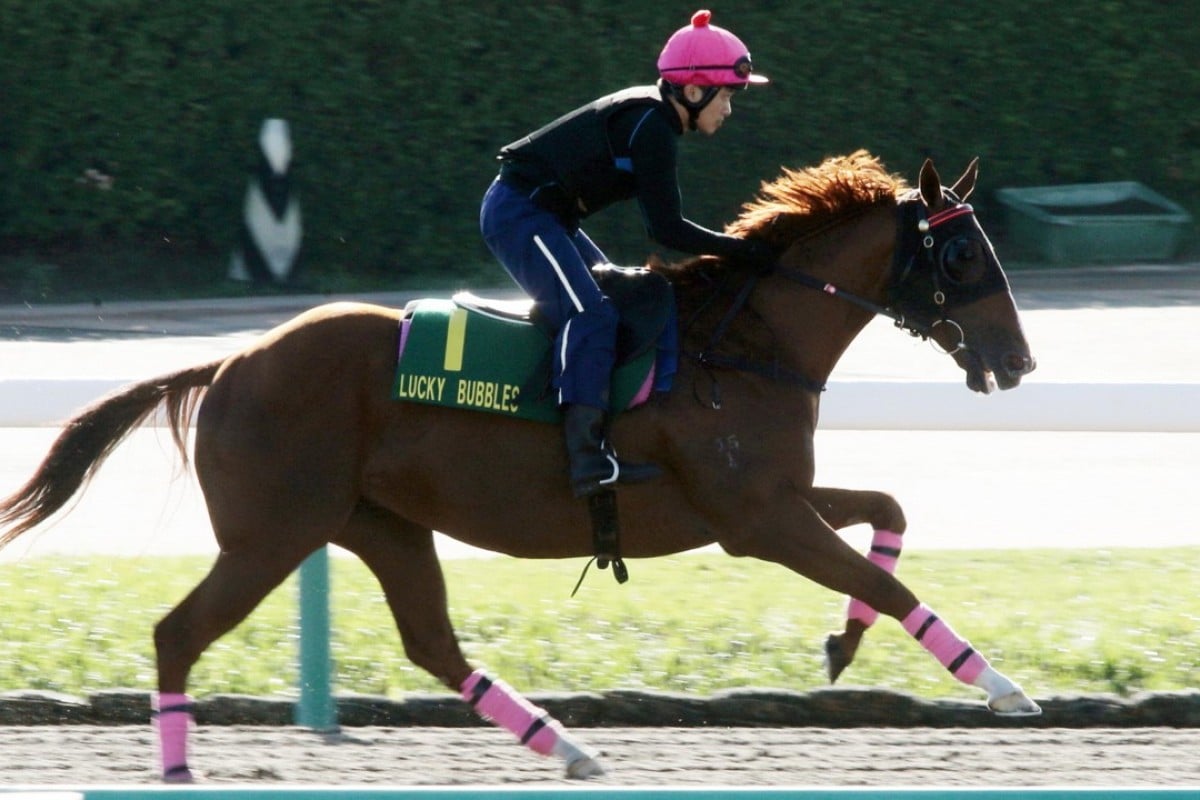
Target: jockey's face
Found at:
714, 114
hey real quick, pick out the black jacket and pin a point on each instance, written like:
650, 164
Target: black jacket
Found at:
619, 147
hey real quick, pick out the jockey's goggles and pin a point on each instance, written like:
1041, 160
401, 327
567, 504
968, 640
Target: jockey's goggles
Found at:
742, 68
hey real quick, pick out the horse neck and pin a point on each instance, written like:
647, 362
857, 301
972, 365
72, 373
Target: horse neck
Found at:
811, 329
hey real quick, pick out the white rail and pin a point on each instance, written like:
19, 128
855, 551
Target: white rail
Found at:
848, 405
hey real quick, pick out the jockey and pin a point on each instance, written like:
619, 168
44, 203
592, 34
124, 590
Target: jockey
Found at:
619, 147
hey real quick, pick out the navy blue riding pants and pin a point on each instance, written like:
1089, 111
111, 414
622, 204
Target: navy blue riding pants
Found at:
550, 263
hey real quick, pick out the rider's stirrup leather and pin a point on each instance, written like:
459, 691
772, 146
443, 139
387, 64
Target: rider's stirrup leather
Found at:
593, 462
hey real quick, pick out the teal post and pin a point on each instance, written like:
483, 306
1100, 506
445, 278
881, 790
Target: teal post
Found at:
316, 708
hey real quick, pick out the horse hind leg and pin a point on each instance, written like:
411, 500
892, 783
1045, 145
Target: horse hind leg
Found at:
841, 508
402, 557
236, 584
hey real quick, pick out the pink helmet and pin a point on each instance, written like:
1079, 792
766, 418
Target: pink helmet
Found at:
705, 55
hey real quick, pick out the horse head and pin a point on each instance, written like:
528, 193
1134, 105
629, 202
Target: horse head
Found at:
850, 229
947, 283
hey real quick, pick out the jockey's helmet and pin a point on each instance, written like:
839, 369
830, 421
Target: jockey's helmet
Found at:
703, 54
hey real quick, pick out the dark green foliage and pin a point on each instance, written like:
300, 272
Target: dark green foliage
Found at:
128, 127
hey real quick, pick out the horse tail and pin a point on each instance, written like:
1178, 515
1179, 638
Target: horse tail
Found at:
93, 434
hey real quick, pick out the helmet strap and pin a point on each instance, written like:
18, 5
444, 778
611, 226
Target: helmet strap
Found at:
695, 108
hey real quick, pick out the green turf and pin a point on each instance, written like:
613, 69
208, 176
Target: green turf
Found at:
1058, 622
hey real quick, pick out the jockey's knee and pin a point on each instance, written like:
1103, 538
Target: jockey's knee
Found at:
601, 314
593, 326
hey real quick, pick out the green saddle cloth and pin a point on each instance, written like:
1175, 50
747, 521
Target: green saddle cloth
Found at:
460, 357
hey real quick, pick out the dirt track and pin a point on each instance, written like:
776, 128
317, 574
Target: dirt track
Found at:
914, 757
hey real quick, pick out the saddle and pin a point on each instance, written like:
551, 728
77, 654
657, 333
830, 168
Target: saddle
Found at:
643, 298
493, 355
490, 355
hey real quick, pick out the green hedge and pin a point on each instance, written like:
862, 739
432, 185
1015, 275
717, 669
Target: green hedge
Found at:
397, 108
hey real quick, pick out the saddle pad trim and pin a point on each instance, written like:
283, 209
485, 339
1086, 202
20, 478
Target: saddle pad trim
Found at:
456, 340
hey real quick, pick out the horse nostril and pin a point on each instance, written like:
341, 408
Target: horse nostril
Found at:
1017, 364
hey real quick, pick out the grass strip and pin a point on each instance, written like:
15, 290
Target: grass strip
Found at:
1057, 621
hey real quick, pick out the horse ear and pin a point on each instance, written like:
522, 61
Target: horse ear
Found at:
966, 184
931, 185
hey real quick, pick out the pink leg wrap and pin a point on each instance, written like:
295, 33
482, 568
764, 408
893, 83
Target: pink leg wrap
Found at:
885, 552
172, 715
499, 702
954, 652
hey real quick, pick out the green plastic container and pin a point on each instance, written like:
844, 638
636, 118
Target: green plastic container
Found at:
1089, 223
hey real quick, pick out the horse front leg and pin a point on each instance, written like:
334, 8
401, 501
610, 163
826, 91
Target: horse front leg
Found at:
791, 533
402, 557
841, 508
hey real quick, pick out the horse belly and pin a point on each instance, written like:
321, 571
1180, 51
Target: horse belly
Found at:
501, 484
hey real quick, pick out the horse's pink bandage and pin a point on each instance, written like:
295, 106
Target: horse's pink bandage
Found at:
951, 650
885, 552
172, 716
499, 702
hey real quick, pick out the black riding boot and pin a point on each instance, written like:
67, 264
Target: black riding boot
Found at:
594, 463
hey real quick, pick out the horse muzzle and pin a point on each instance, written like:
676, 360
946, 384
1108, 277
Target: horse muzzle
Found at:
985, 375
1017, 366
1012, 368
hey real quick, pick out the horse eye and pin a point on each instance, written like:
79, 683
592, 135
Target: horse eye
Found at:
963, 260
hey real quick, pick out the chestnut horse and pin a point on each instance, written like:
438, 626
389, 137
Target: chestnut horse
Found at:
299, 442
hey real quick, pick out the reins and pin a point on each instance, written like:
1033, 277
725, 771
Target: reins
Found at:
710, 359
833, 291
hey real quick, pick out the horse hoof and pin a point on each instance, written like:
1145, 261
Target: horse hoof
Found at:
586, 767
178, 775
836, 657
1014, 704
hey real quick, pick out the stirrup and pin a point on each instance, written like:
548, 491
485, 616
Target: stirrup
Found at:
624, 473
591, 486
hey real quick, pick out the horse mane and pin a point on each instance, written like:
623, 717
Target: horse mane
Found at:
802, 201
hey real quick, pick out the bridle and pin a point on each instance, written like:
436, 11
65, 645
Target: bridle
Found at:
922, 289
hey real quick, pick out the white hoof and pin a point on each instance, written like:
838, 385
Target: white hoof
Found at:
586, 767
581, 760
1014, 704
